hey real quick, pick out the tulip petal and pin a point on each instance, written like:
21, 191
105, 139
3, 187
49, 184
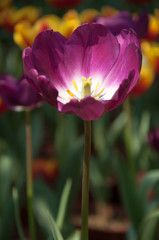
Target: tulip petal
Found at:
47, 54
129, 59
87, 109
90, 51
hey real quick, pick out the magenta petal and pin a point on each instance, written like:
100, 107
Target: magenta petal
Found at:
129, 59
49, 93
87, 109
90, 51
121, 93
47, 55
18, 94
126, 37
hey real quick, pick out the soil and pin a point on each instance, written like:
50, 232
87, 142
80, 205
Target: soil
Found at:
108, 223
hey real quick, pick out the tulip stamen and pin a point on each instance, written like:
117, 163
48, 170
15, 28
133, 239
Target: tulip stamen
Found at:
100, 93
86, 89
70, 93
75, 85
96, 87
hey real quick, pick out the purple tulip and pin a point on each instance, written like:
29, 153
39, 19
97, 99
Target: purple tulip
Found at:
18, 95
153, 139
88, 74
124, 20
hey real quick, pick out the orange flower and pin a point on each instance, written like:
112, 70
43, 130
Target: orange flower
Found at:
45, 168
147, 75
3, 107
9, 17
25, 33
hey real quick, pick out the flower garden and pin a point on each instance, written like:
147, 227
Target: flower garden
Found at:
79, 120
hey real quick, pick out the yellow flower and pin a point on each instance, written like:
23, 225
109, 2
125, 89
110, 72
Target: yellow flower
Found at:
153, 29
25, 33
88, 15
69, 23
147, 74
151, 49
9, 17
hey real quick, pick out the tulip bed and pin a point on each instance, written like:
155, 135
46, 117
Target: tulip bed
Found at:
79, 120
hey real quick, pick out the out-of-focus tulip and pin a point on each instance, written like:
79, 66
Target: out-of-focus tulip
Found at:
45, 168
5, 4
124, 20
107, 11
153, 28
147, 76
64, 3
18, 95
25, 33
153, 139
151, 50
88, 74
11, 16
3, 106
88, 15
69, 23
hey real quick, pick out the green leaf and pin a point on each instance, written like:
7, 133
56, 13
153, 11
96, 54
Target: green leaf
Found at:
6, 177
116, 127
149, 225
54, 228
44, 194
74, 236
72, 170
129, 193
63, 203
17, 214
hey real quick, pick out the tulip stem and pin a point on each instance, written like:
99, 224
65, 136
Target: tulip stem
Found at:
128, 136
85, 180
29, 181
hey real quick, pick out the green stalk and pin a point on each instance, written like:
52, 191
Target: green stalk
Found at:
85, 180
128, 136
29, 181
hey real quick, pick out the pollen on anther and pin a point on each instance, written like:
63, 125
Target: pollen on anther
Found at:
100, 92
75, 85
70, 93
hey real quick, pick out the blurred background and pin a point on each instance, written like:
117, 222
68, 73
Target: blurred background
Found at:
124, 176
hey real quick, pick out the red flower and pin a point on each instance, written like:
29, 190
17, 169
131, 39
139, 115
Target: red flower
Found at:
45, 168
64, 3
3, 107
